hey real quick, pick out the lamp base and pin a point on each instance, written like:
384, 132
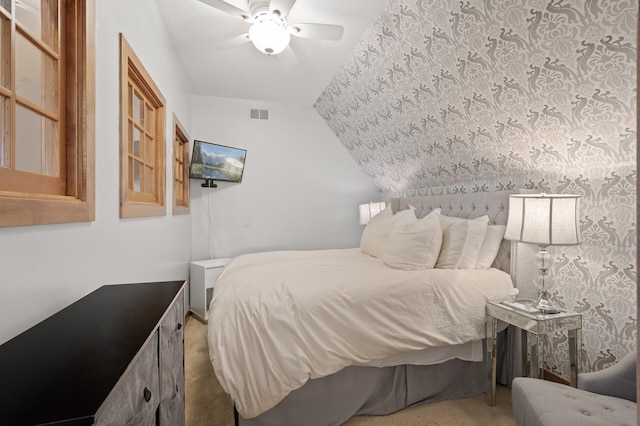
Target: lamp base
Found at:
544, 305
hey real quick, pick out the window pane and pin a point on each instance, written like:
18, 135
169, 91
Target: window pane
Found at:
129, 137
130, 174
149, 149
36, 75
149, 118
137, 109
136, 142
148, 180
5, 53
130, 98
136, 176
5, 135
6, 5
40, 19
37, 143
51, 148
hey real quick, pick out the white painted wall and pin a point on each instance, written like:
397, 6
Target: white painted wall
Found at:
300, 189
45, 268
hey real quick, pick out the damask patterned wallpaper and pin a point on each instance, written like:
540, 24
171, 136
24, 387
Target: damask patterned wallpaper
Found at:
445, 96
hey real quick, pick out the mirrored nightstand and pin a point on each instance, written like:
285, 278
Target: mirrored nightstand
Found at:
530, 321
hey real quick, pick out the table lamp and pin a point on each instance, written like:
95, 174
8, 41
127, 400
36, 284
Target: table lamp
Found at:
369, 210
546, 220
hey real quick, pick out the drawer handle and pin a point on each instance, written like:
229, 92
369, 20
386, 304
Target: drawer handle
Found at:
147, 394
179, 326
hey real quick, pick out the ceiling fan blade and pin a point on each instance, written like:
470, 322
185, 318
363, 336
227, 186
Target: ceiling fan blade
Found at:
321, 31
232, 42
225, 7
282, 6
288, 57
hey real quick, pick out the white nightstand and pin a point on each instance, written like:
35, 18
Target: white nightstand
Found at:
202, 278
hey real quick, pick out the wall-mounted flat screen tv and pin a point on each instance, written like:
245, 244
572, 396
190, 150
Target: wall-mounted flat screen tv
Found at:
210, 161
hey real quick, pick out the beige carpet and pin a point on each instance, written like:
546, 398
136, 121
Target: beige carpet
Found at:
208, 405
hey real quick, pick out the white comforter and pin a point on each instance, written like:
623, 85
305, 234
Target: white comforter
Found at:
278, 319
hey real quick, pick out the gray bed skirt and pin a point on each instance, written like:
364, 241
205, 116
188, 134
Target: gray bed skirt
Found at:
332, 400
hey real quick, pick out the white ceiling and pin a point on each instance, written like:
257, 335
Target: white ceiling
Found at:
215, 66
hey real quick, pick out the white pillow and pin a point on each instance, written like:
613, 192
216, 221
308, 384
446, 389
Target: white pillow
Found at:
413, 243
461, 241
490, 246
375, 233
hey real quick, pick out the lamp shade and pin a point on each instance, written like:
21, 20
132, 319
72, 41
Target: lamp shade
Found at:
544, 219
369, 210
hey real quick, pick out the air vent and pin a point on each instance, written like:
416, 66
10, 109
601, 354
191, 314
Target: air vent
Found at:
258, 114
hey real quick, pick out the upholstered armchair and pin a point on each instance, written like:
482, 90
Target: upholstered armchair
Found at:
606, 397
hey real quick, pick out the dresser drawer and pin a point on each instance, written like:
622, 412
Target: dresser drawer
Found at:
172, 365
135, 399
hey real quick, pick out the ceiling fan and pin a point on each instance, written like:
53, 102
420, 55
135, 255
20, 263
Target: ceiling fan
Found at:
270, 32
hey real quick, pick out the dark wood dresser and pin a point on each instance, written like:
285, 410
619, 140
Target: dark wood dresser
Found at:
114, 357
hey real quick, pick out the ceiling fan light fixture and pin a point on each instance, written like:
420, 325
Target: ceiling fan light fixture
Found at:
268, 34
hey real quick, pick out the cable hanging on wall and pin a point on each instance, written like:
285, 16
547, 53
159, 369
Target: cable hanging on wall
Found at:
210, 224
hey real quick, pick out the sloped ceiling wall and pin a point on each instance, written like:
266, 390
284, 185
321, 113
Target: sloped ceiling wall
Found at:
461, 96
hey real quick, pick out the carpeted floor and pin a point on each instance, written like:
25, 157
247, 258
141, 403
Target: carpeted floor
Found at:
208, 405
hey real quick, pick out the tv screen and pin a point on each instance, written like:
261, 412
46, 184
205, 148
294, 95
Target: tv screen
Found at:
210, 161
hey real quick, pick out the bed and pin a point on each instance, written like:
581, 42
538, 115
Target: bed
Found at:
316, 337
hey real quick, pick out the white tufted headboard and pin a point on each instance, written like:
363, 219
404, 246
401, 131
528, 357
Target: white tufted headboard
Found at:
467, 206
